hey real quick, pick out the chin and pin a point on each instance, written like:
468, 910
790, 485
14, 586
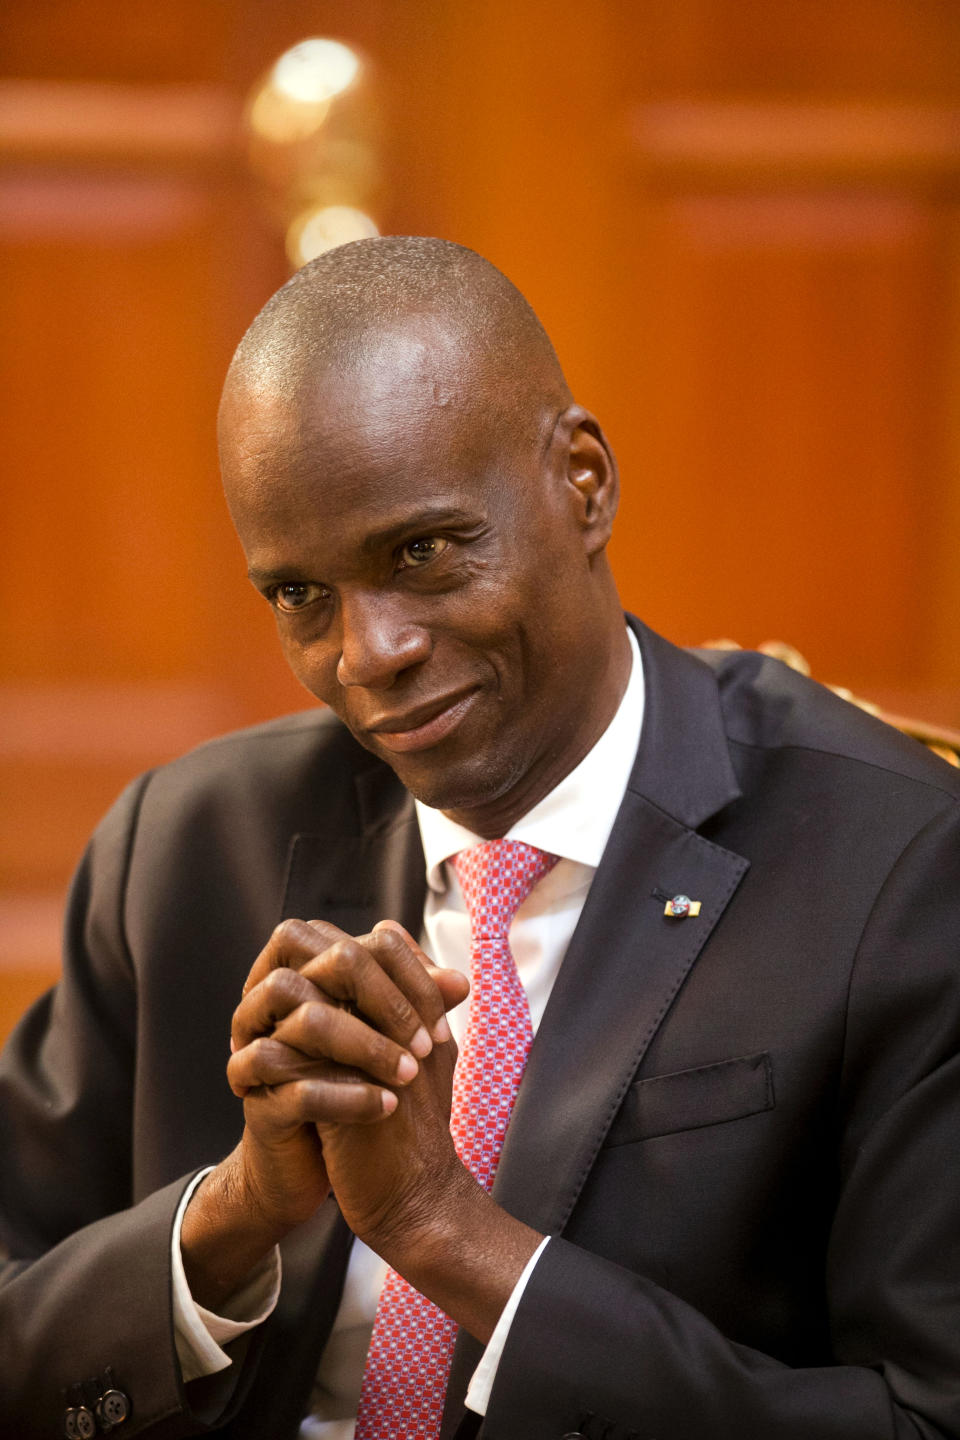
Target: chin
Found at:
461, 789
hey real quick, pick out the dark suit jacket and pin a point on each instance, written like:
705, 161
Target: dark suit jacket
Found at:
742, 1128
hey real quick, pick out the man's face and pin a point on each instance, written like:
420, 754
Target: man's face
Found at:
430, 580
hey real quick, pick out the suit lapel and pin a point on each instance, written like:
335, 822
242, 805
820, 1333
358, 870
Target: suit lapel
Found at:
627, 960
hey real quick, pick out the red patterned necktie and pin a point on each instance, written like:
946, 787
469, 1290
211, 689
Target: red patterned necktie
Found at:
405, 1379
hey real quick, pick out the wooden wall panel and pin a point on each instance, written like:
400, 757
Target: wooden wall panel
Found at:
803, 335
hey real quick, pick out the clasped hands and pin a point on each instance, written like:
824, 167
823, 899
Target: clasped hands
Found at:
343, 1057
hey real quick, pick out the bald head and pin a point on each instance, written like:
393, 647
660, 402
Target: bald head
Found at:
395, 303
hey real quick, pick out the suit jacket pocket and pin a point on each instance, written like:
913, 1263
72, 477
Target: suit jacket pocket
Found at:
689, 1099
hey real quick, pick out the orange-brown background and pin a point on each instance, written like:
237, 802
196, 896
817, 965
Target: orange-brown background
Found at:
740, 221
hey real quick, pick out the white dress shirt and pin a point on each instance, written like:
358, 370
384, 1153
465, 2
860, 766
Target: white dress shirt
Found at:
574, 821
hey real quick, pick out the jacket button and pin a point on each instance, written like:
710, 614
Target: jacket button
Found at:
113, 1407
79, 1424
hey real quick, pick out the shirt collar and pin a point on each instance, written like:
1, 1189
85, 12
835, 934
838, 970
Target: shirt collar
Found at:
575, 819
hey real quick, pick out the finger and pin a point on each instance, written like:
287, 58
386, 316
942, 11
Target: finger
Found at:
276, 995
453, 985
364, 973
411, 970
325, 1032
292, 943
406, 962
268, 1062
408, 967
317, 1101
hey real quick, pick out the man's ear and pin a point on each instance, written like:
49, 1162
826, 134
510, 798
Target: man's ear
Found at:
591, 472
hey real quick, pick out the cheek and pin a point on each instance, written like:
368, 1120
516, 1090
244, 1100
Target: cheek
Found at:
314, 665
489, 639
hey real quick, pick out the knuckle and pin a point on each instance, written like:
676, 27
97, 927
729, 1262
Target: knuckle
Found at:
288, 932
383, 1055
400, 1012
390, 943
344, 957
276, 985
309, 1024
257, 1054
267, 1059
279, 992
327, 932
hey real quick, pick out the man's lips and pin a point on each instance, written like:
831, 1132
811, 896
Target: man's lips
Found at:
423, 726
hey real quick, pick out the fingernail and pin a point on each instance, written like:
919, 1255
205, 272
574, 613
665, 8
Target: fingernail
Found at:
407, 1067
421, 1044
388, 1101
233, 1045
441, 1031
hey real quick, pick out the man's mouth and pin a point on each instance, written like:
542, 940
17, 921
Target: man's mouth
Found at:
423, 726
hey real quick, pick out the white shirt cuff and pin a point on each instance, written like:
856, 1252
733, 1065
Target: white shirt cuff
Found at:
199, 1333
478, 1391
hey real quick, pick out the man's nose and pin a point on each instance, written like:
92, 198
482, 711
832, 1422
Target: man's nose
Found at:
379, 639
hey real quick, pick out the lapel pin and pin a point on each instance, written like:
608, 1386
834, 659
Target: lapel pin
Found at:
680, 907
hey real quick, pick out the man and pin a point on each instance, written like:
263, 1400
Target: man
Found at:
726, 1203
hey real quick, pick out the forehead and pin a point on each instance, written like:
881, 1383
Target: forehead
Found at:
409, 419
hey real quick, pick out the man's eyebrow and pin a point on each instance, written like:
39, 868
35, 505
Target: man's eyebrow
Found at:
420, 523
286, 572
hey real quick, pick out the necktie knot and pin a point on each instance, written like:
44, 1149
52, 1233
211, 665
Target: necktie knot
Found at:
496, 877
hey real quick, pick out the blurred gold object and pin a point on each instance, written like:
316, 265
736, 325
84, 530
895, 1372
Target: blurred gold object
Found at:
322, 227
938, 738
312, 127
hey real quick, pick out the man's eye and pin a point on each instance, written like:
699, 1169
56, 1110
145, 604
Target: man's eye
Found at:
420, 551
294, 595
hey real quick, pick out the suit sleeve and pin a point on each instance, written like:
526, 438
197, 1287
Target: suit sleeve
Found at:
599, 1351
85, 1282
